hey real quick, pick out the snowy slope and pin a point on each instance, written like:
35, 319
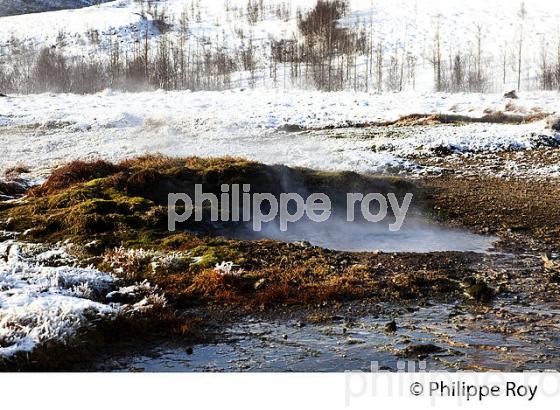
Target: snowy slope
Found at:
398, 24
44, 28
45, 130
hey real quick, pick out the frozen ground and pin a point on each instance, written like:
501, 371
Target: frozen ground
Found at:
45, 130
45, 297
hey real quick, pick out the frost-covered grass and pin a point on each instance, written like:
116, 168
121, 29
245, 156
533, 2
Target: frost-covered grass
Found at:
41, 303
45, 298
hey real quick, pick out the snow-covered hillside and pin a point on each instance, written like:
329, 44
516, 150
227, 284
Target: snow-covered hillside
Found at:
46, 129
402, 27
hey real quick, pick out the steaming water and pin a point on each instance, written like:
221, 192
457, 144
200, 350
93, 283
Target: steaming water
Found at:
416, 235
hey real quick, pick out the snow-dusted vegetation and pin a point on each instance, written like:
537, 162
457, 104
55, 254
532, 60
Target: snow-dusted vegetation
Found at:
376, 46
46, 298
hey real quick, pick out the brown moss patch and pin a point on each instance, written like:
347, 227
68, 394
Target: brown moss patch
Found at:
126, 203
489, 117
74, 173
273, 274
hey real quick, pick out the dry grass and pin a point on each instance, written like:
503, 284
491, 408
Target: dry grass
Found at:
268, 289
276, 274
490, 117
16, 171
74, 173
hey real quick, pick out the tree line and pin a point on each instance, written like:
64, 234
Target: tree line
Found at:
324, 53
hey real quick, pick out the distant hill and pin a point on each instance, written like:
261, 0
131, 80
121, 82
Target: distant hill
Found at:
17, 7
257, 42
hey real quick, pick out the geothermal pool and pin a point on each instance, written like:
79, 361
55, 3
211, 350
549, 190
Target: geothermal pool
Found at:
417, 235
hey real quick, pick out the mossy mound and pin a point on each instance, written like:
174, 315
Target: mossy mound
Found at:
118, 213
126, 203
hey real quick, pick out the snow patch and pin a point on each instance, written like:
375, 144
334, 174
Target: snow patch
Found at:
248, 124
40, 303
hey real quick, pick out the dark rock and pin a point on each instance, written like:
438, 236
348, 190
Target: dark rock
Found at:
2, 95
391, 327
552, 267
419, 351
511, 94
123, 298
189, 350
553, 122
291, 128
12, 189
477, 289
547, 141
442, 151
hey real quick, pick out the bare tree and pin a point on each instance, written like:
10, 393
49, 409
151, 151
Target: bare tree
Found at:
437, 57
522, 13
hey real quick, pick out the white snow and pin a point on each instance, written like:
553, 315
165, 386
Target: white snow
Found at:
46, 130
42, 301
474, 138
228, 269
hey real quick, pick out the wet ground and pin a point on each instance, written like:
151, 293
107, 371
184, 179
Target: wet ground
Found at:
518, 330
444, 337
